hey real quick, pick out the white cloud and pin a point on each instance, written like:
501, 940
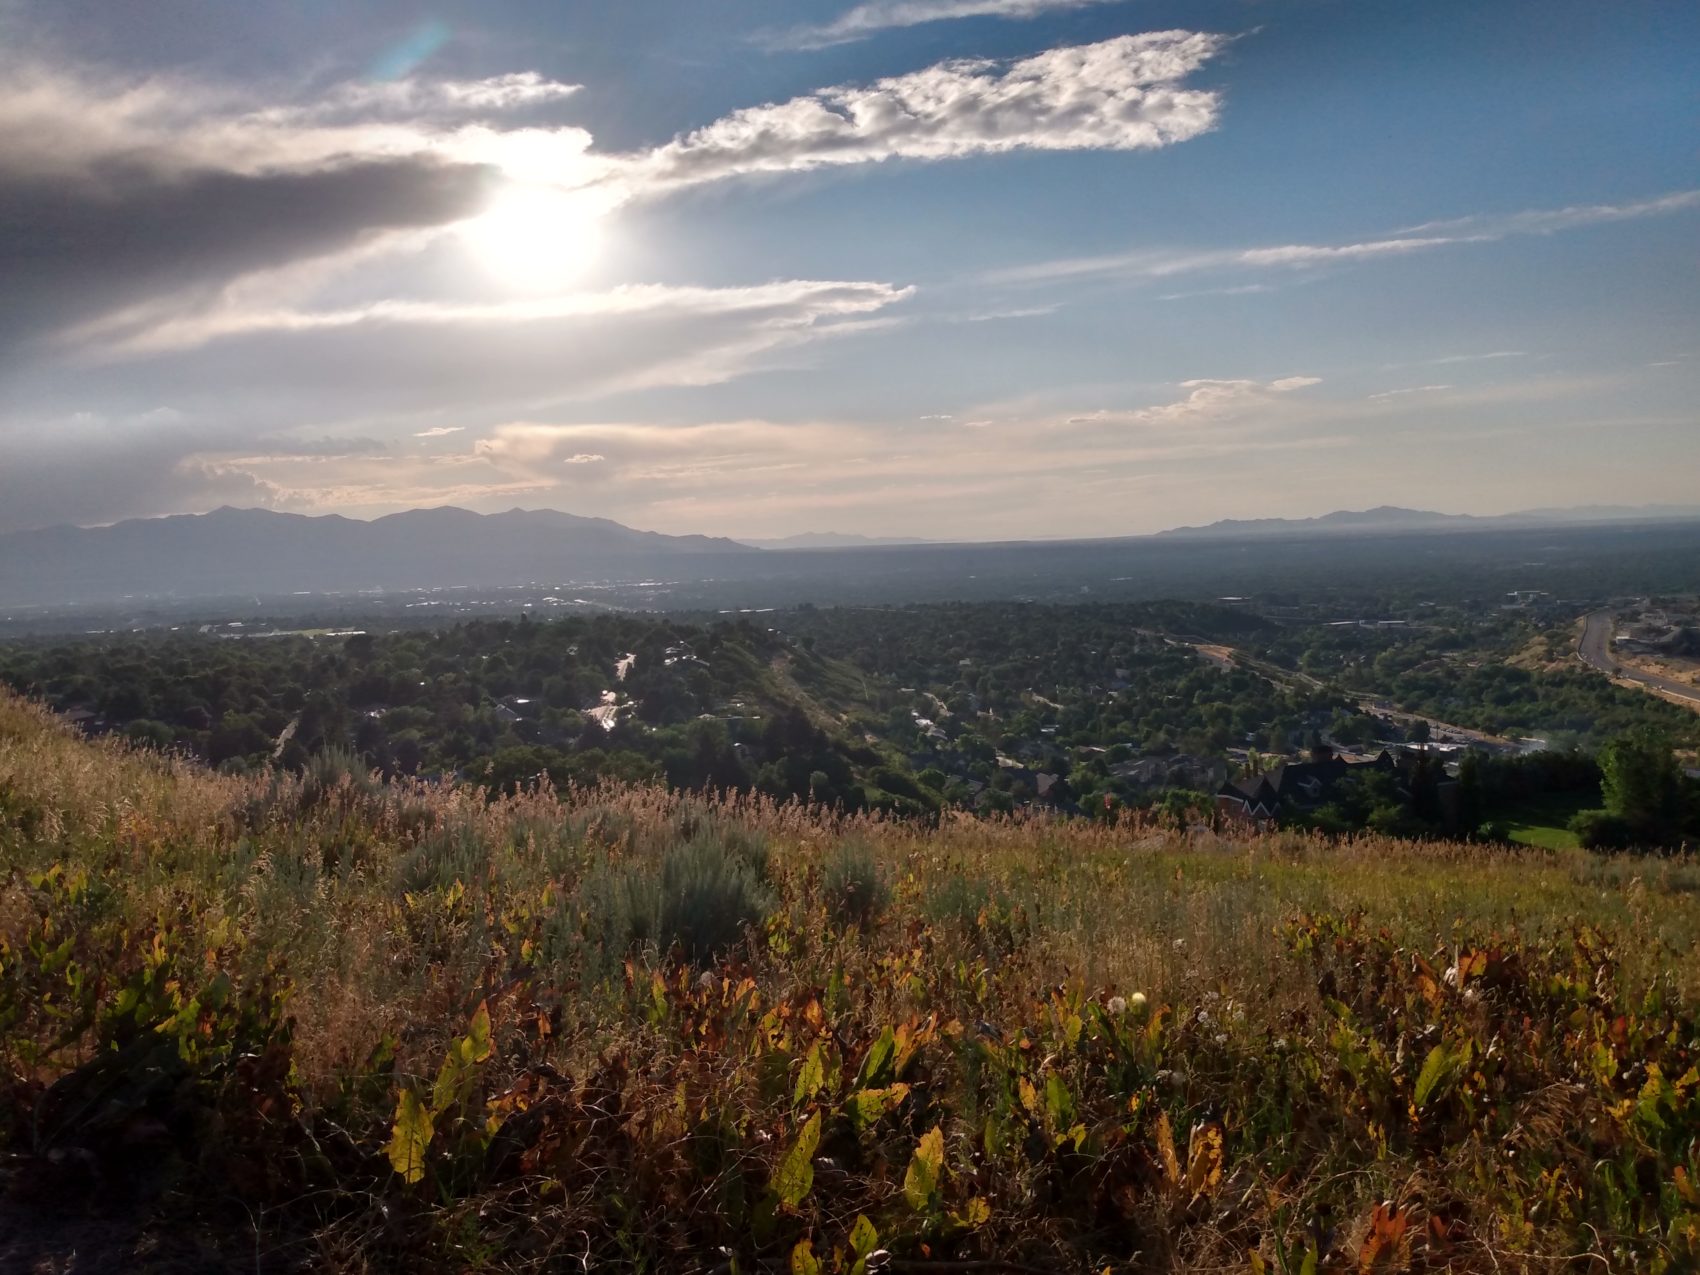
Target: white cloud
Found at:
1121, 94
439, 431
882, 15
583, 458
1206, 401
1477, 358
1150, 263
1415, 389
783, 305
1541, 221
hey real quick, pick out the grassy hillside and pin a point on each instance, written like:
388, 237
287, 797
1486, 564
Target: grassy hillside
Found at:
315, 1022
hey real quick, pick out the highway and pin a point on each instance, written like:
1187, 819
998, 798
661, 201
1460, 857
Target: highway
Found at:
1594, 650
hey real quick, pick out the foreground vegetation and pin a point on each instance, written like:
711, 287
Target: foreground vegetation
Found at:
313, 1021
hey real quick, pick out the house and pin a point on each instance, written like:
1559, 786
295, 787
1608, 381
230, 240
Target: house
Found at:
1304, 784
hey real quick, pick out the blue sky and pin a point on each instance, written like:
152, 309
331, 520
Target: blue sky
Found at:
947, 268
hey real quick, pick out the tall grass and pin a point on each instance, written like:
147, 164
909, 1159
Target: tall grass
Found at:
1141, 1049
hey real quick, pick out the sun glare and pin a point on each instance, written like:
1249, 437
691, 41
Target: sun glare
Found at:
537, 237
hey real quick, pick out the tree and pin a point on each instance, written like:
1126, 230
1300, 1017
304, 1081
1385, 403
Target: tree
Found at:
1642, 785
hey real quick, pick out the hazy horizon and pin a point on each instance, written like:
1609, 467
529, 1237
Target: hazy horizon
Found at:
976, 271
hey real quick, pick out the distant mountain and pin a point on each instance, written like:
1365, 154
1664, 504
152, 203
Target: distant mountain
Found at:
832, 540
1393, 518
232, 551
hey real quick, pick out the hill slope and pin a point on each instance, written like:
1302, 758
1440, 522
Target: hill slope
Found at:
351, 1027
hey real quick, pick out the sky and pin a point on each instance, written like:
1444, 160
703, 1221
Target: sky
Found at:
955, 269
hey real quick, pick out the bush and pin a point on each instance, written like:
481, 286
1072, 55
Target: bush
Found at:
855, 889
1602, 830
709, 890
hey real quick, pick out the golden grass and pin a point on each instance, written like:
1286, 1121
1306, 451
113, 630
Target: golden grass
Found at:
393, 911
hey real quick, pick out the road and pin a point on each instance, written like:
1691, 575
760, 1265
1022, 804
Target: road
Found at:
1594, 650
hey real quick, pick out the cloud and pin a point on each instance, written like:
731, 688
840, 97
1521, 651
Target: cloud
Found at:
1206, 401
439, 431
154, 212
1546, 221
1415, 389
406, 368
1121, 94
791, 303
583, 458
1147, 263
119, 190
1477, 358
881, 15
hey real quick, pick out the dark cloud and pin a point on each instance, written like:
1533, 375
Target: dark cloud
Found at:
126, 231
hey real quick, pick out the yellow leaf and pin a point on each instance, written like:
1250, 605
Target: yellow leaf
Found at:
1166, 1151
921, 1182
1204, 1159
479, 1035
866, 1106
810, 1077
410, 1137
803, 1260
796, 1173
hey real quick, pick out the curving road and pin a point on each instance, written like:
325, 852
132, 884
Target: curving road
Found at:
1594, 650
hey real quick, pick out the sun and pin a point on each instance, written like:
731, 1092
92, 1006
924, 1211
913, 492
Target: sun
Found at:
537, 238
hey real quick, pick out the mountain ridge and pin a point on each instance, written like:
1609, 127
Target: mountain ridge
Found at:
230, 551
1397, 518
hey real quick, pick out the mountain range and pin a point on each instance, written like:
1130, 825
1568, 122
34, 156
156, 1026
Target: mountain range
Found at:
232, 552
1393, 518
833, 540
235, 551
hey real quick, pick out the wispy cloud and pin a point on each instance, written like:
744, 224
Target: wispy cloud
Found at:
439, 431
1147, 263
1415, 389
1476, 358
883, 15
1205, 400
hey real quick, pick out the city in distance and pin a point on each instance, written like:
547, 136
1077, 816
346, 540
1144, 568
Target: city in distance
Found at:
842, 636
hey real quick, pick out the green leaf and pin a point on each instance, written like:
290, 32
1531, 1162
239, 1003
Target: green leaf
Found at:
878, 1060
1059, 1103
1437, 1067
797, 1170
803, 1261
810, 1077
866, 1106
479, 1036
410, 1137
447, 1089
921, 1182
864, 1239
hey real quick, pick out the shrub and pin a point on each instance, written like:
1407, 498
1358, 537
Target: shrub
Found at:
1602, 830
444, 855
707, 892
855, 889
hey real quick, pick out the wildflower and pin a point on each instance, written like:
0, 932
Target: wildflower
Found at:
1136, 1002
1221, 1038
1118, 1005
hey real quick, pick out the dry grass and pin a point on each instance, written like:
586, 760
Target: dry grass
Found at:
642, 1111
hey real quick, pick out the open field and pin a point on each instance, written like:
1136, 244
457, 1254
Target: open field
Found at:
1545, 821
321, 1023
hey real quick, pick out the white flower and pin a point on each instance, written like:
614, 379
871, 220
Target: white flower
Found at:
1136, 1001
1118, 1005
